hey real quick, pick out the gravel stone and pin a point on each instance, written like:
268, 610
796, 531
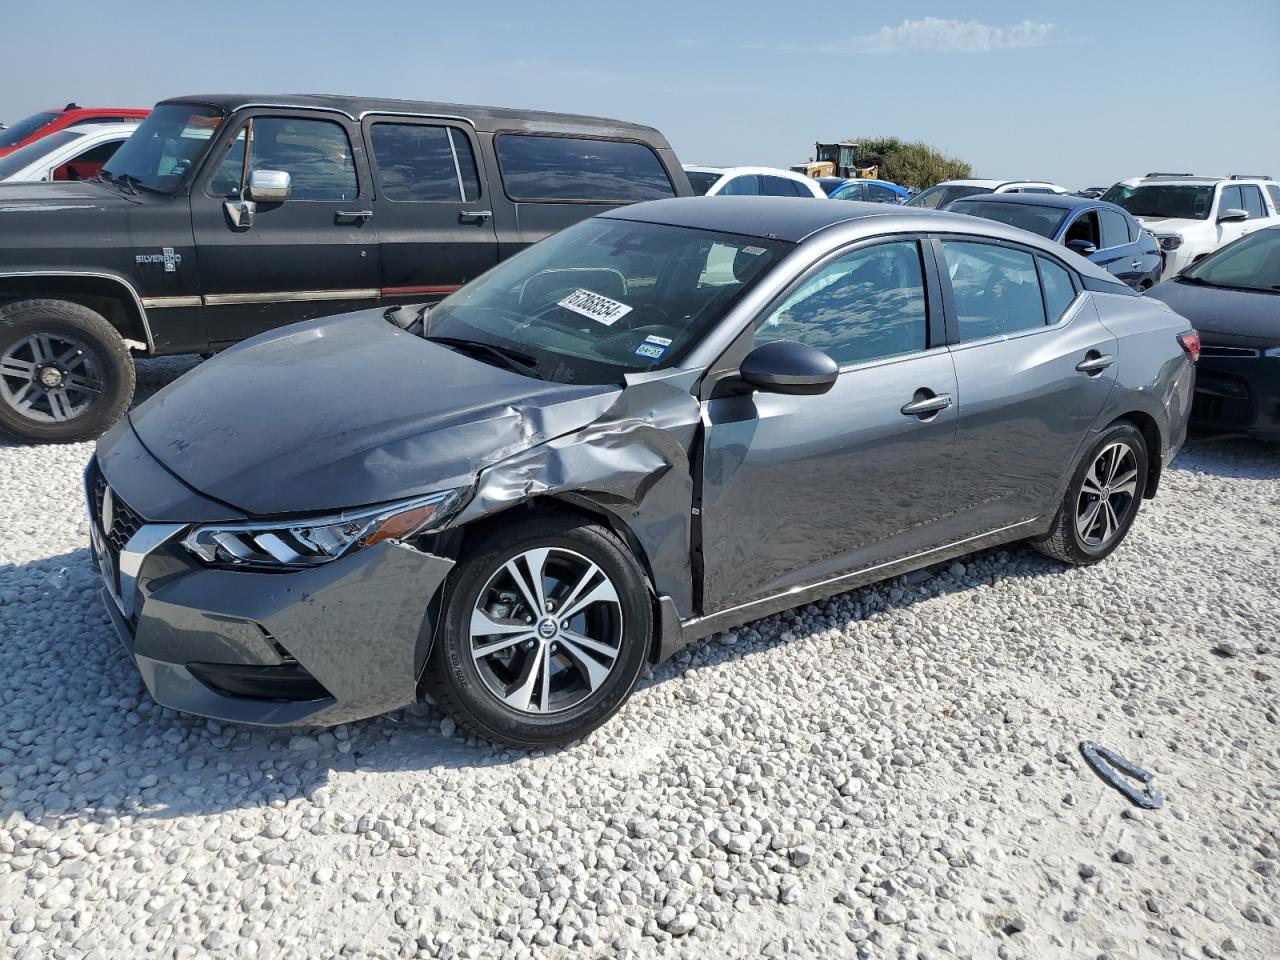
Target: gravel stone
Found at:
842, 779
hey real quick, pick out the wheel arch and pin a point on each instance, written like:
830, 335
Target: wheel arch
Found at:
594, 510
1150, 430
108, 294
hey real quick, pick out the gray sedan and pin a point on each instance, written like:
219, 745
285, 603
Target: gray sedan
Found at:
665, 421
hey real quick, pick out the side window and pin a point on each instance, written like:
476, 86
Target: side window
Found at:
536, 167
1230, 199
1115, 232
422, 162
746, 185
1083, 227
1252, 197
995, 289
315, 153
1058, 289
1273, 191
856, 192
879, 194
1134, 230
776, 187
88, 163
862, 306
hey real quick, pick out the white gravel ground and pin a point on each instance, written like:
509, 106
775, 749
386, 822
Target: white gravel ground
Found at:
891, 774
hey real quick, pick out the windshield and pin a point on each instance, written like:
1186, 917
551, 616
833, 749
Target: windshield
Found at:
702, 182
1042, 221
939, 196
165, 146
1251, 263
606, 297
14, 135
1180, 201
25, 156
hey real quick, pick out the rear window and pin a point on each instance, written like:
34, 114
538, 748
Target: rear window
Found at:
421, 162
575, 168
14, 135
1042, 221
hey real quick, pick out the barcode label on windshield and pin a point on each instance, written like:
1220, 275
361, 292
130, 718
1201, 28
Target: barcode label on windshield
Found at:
598, 308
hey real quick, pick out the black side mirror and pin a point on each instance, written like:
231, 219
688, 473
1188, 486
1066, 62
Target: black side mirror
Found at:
1082, 247
786, 366
1233, 215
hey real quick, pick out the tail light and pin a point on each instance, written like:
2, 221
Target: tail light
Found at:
1190, 342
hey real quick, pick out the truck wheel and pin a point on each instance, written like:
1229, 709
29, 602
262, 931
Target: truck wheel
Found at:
65, 373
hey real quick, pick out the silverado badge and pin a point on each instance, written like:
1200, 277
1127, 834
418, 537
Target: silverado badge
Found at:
166, 256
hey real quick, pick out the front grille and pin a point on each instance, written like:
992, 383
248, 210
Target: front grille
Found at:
124, 521
1208, 350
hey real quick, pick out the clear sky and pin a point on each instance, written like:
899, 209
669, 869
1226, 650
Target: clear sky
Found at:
1082, 93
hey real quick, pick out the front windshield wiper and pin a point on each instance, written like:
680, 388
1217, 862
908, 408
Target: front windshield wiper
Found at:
511, 359
105, 176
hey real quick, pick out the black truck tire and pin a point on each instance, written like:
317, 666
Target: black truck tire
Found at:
65, 372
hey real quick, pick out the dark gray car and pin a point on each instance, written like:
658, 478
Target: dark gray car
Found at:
659, 423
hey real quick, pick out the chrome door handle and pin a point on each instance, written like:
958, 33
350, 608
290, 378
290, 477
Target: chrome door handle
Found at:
474, 214
362, 215
927, 406
1136, 264
1095, 362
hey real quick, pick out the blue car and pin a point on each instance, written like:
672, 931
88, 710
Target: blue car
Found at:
1102, 232
874, 191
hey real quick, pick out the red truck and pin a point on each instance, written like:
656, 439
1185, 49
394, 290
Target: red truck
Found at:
50, 121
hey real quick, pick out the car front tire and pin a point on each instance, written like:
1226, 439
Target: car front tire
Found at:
65, 372
546, 625
1102, 500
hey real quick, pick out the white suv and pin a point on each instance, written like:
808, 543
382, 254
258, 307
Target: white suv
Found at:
751, 182
1193, 216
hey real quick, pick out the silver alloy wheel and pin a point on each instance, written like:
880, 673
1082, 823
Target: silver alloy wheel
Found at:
546, 630
1107, 494
49, 378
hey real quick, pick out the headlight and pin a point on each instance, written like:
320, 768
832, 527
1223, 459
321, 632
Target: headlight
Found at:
308, 542
1170, 243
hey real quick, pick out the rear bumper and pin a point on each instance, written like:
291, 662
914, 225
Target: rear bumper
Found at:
336, 643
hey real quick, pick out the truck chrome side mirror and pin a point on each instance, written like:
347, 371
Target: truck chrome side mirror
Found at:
269, 186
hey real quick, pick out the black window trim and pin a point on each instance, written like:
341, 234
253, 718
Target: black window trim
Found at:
233, 124
1262, 202
935, 337
574, 136
948, 297
450, 125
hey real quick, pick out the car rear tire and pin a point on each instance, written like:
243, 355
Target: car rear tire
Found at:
540, 660
1102, 499
65, 372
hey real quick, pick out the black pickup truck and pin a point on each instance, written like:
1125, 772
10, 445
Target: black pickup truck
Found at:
224, 216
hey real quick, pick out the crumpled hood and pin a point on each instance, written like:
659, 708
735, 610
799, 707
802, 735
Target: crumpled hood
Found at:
1236, 313
347, 411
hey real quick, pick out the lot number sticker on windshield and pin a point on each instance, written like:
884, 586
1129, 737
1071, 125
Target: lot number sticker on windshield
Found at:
598, 308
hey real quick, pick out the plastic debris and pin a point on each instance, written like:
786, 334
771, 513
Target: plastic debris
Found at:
1109, 765
57, 582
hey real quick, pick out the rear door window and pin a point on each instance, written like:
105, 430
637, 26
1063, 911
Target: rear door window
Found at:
1274, 191
996, 289
879, 194
746, 185
422, 162
539, 167
778, 187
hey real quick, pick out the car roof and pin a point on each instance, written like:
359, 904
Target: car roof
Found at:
1061, 201
104, 128
487, 118
771, 171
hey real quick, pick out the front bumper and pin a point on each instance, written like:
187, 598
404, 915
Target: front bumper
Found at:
331, 644
1237, 393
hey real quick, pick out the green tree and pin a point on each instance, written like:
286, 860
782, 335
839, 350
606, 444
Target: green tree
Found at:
911, 164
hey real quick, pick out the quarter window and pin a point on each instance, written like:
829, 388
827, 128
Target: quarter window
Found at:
315, 153
862, 306
995, 289
575, 168
879, 194
780, 187
1274, 192
1252, 197
1058, 288
1115, 232
422, 162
